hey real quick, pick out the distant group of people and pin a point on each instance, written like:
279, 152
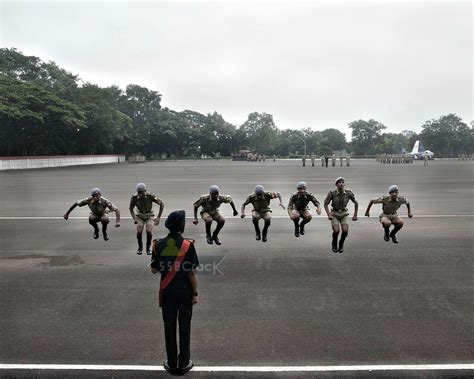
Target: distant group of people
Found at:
395, 158
175, 257
325, 160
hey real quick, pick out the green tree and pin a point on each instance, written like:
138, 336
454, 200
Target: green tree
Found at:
332, 140
447, 136
365, 135
107, 128
260, 132
34, 121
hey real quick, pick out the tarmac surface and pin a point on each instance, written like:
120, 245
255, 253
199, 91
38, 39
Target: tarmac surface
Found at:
68, 299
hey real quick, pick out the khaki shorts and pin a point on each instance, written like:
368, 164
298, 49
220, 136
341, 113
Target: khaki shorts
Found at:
144, 220
214, 215
267, 213
391, 218
98, 217
339, 218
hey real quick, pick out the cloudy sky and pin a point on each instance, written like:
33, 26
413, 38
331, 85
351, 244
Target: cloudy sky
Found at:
309, 64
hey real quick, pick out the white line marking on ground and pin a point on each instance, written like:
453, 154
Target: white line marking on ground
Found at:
192, 218
424, 367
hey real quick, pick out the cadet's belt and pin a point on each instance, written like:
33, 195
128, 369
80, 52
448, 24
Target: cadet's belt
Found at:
339, 210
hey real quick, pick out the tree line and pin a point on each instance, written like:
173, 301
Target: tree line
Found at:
45, 110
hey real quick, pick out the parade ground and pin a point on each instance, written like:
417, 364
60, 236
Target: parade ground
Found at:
72, 306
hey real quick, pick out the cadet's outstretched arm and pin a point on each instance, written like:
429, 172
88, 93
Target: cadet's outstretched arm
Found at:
195, 221
318, 207
326, 208
160, 212
410, 215
66, 215
281, 201
242, 211
117, 217
132, 205
233, 207
368, 207
356, 209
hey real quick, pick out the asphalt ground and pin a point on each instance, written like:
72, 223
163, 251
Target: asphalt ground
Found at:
68, 299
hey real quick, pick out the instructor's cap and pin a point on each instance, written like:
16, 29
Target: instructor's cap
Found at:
95, 191
340, 179
213, 189
301, 185
175, 221
392, 188
141, 187
259, 189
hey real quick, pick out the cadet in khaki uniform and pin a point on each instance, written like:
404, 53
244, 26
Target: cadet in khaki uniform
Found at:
261, 209
143, 201
98, 206
298, 208
390, 205
210, 211
339, 214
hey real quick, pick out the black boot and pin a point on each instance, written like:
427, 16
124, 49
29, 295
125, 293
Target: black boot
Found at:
297, 228
386, 235
216, 239
395, 231
334, 242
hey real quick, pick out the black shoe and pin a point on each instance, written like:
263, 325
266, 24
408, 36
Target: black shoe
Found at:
209, 240
334, 247
217, 240
184, 370
302, 230
258, 237
139, 251
297, 232
171, 370
341, 249
386, 236
394, 238
264, 237
106, 237
148, 251
96, 234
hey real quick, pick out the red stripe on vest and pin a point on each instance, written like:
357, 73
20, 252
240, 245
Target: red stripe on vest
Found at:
174, 268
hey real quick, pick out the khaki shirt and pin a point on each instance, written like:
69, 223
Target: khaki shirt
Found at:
97, 207
262, 203
144, 204
301, 202
339, 200
390, 207
210, 205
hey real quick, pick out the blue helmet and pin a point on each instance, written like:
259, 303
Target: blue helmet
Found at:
339, 180
141, 187
259, 189
214, 189
392, 188
301, 185
95, 191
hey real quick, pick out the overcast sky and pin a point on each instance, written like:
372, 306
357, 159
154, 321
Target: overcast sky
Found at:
309, 64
